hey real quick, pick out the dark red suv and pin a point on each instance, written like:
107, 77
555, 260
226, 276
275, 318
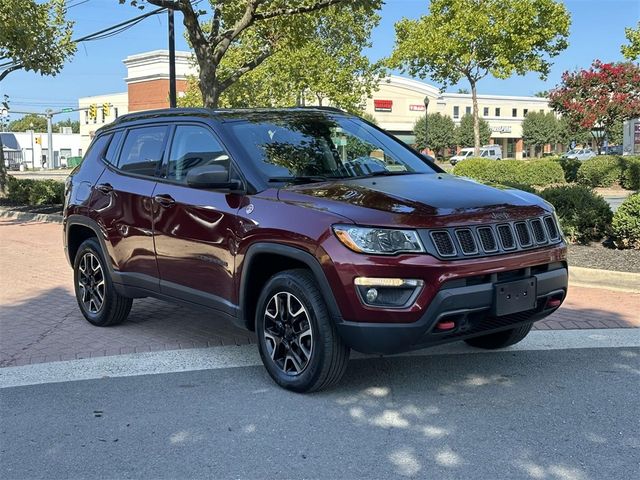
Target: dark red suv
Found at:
312, 227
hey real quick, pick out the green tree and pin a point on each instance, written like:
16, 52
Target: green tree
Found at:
541, 94
35, 35
441, 133
463, 91
368, 117
23, 124
74, 124
539, 129
568, 132
474, 38
233, 38
465, 132
632, 50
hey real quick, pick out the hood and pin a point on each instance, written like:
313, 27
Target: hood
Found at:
422, 200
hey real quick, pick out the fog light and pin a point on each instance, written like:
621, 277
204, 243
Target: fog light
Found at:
372, 295
388, 292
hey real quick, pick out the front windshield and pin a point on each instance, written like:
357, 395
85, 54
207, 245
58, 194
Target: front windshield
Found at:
572, 151
316, 144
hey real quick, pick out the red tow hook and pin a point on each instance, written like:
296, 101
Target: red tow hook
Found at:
553, 303
445, 325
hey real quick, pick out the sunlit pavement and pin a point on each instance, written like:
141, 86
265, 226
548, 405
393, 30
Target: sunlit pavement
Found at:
559, 413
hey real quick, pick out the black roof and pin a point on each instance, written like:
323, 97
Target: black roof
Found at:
209, 112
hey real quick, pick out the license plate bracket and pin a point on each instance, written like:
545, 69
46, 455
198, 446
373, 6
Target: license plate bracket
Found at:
514, 297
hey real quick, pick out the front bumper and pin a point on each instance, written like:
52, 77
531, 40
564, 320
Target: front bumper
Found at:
468, 303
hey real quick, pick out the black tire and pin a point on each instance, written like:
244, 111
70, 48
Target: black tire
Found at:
114, 308
500, 339
328, 357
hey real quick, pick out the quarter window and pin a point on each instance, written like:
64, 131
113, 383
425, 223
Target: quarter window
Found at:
142, 150
96, 149
110, 154
194, 146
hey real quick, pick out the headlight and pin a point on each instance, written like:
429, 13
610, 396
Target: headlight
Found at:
381, 241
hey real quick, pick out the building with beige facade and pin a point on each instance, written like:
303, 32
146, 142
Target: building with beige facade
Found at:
400, 102
397, 104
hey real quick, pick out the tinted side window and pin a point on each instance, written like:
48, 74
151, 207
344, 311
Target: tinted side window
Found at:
97, 148
142, 150
110, 154
194, 146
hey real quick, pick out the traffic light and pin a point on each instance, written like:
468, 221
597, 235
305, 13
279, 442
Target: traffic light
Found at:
93, 111
39, 140
106, 109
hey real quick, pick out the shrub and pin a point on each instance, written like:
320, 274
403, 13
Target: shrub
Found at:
34, 192
584, 215
631, 173
601, 171
511, 172
625, 227
570, 167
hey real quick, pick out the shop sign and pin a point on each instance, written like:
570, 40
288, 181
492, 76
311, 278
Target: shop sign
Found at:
383, 105
417, 108
501, 129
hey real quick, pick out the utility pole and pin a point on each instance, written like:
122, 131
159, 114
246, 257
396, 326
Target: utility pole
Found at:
49, 116
172, 60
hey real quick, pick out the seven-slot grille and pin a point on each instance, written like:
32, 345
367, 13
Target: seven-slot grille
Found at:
461, 242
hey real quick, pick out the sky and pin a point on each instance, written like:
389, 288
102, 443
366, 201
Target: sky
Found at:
597, 31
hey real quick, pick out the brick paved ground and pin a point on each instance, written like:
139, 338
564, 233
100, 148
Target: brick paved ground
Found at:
40, 321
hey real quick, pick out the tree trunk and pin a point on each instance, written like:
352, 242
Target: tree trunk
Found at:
476, 119
209, 85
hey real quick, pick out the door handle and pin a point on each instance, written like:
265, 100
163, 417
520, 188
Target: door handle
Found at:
105, 188
164, 200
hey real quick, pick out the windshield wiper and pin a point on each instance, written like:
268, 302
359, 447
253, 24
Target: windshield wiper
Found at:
299, 179
385, 173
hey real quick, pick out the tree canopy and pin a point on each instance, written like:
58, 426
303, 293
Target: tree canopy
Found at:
471, 39
465, 131
326, 65
539, 129
599, 97
231, 39
631, 51
441, 132
36, 34
23, 124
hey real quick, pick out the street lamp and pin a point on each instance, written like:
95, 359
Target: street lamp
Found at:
426, 122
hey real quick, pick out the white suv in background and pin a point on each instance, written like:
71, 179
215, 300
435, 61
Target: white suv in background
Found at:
492, 152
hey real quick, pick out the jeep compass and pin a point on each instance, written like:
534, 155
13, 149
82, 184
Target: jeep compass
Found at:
311, 227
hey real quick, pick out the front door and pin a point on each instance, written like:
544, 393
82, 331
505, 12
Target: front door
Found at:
194, 229
123, 202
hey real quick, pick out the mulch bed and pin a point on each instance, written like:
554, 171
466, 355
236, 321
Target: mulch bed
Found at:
596, 255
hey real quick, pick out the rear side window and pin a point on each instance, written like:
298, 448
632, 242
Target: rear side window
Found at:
142, 150
97, 148
110, 154
194, 146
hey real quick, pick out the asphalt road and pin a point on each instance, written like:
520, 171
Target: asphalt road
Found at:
531, 414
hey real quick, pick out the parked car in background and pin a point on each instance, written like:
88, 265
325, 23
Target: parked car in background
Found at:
315, 229
580, 154
611, 150
491, 152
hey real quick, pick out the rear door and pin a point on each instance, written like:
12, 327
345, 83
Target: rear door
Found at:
123, 202
194, 229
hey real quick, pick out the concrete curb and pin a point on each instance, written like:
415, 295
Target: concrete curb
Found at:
607, 279
30, 217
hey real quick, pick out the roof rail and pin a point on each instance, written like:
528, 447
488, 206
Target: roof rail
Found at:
161, 112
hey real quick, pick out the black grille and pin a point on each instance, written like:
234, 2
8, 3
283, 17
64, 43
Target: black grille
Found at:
491, 239
487, 239
551, 228
539, 234
443, 243
524, 237
506, 237
466, 241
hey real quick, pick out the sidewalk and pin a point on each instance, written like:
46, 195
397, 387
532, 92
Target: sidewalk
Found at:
40, 321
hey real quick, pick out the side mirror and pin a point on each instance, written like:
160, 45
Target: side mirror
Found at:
215, 177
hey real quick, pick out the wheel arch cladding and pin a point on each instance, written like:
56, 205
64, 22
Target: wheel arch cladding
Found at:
264, 260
